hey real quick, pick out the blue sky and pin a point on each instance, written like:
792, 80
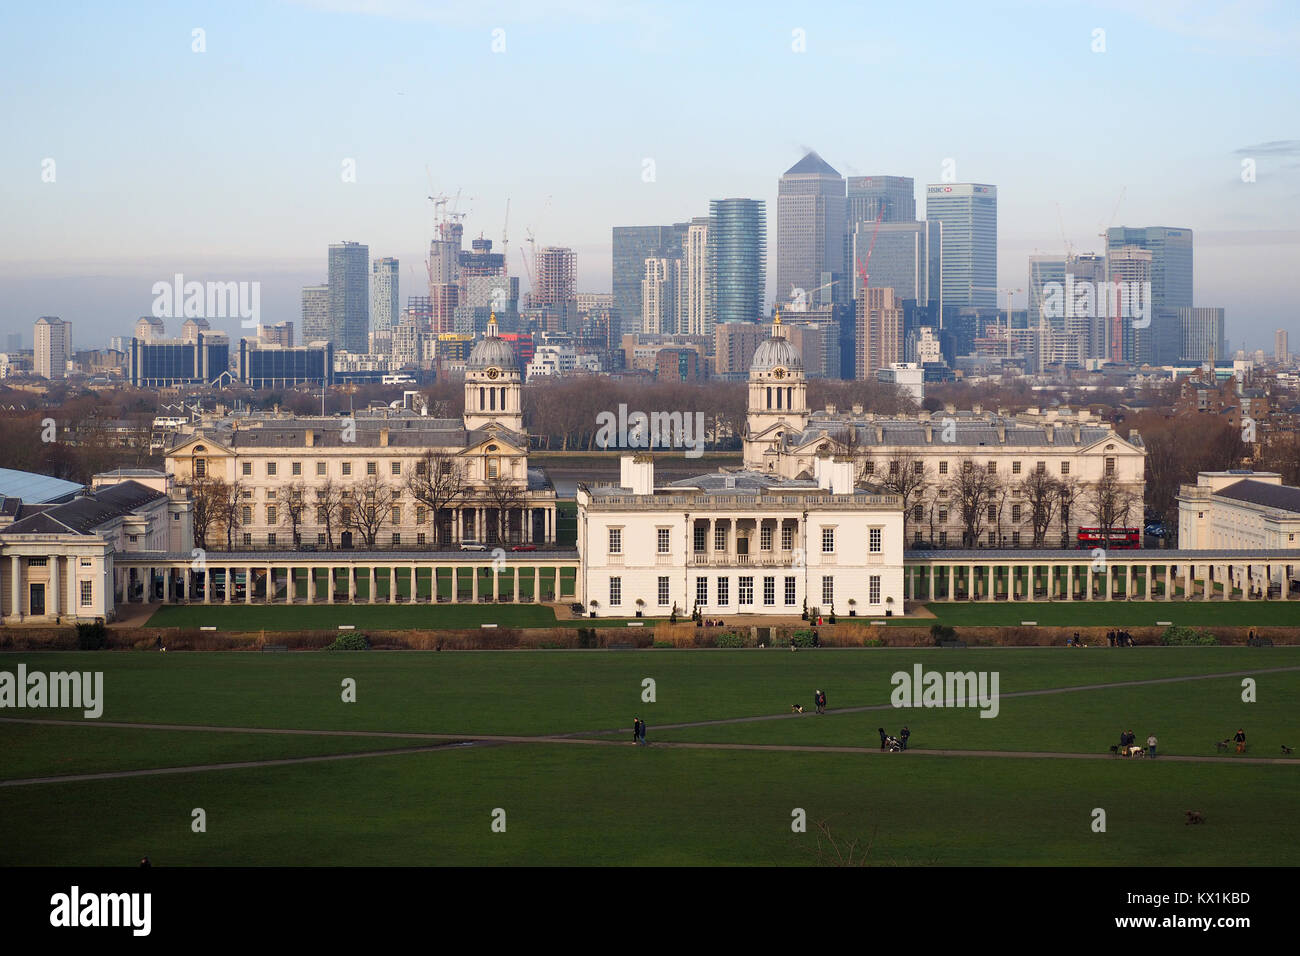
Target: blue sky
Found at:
227, 164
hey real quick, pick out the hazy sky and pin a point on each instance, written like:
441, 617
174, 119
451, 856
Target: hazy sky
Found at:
229, 164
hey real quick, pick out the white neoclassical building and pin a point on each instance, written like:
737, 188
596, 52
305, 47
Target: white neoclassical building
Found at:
58, 560
1245, 510
275, 460
783, 437
740, 543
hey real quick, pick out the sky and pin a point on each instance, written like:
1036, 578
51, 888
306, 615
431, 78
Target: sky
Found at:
130, 154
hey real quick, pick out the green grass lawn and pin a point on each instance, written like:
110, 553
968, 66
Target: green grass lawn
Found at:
307, 617
583, 804
1117, 613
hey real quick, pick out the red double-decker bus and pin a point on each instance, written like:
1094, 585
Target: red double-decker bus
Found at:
1114, 538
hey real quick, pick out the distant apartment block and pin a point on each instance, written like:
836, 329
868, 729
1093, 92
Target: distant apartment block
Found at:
53, 348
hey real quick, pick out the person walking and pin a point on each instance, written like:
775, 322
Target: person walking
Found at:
643, 743
1240, 738
883, 737
1151, 745
903, 735
636, 730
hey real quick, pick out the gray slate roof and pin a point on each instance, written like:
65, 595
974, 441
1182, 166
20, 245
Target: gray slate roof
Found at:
84, 515
1282, 497
977, 431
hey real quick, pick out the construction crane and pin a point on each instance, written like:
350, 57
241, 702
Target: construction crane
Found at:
532, 244
505, 241
862, 264
1009, 293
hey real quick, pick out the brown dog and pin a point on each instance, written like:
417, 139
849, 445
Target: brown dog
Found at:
1194, 816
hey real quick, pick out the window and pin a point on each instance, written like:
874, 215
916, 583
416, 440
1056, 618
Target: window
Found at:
828, 540
943, 515
701, 592
87, 593
992, 539
918, 513
1015, 512
943, 468
247, 514
345, 516
916, 537
943, 538
663, 592
270, 469
320, 537
1110, 466
769, 592
1041, 467
271, 514
992, 468
828, 590
247, 495
1015, 539
86, 562
246, 468
270, 540
615, 540
966, 467
372, 468
41, 562
419, 539
787, 537
874, 537
200, 468
347, 469
248, 539
745, 591
615, 592
395, 469
720, 538
133, 538
701, 538
397, 514
270, 494
493, 467
320, 469
993, 512
295, 469
421, 514
1065, 467
1015, 468
724, 592
918, 467
765, 538
397, 537
663, 540
790, 596
873, 589
869, 468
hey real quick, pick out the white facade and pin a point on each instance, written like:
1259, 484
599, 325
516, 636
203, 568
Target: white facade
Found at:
53, 347
739, 543
1230, 510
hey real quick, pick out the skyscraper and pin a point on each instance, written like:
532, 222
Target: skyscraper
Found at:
632, 245
737, 253
968, 213
384, 301
905, 257
554, 289
811, 221
53, 347
868, 195
697, 280
1171, 261
879, 331
659, 296
1130, 268
1201, 334
349, 296
315, 316
1281, 351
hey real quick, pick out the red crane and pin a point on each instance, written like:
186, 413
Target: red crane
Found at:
862, 264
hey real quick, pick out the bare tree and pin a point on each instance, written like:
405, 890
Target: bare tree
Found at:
294, 510
972, 489
207, 497
372, 505
1110, 503
329, 509
1042, 494
1068, 493
504, 494
906, 476
437, 481
230, 510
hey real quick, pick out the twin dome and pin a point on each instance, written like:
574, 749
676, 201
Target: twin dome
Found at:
776, 352
492, 351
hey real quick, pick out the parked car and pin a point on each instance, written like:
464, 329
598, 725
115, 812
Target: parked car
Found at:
524, 547
1155, 530
473, 546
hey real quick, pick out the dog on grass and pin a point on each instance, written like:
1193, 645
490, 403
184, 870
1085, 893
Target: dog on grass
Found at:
1222, 745
1286, 750
1114, 749
796, 708
1194, 816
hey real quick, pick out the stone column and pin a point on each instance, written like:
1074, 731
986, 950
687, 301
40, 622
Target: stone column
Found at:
16, 589
1069, 582
1285, 582
329, 583
473, 577
515, 582
52, 601
415, 584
